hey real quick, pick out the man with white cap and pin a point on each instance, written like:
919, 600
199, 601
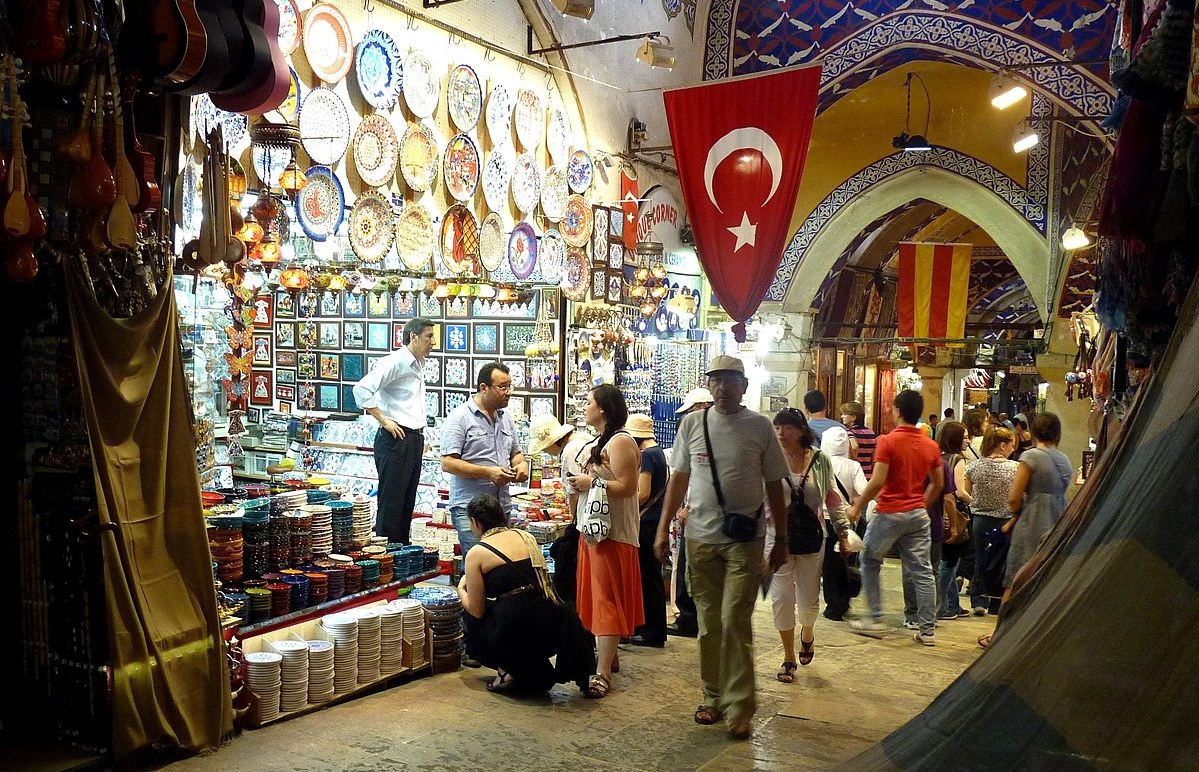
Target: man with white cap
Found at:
685, 624
725, 458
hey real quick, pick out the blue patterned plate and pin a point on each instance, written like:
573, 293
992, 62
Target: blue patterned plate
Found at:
579, 171
380, 69
522, 250
320, 206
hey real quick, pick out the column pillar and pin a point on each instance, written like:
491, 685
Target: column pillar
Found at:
931, 389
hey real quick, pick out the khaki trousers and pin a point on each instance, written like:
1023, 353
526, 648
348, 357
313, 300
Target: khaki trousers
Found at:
723, 580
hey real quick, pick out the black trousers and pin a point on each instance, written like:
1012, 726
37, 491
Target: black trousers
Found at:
835, 576
687, 619
653, 592
398, 464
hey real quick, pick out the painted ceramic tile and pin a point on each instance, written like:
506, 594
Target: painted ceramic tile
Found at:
456, 337
487, 338
432, 371
456, 371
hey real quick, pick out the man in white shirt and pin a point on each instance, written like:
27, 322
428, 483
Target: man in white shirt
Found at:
394, 394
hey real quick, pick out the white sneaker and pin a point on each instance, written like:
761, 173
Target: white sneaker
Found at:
870, 627
916, 625
928, 639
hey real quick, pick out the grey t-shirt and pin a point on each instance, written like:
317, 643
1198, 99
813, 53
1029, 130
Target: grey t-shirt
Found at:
747, 456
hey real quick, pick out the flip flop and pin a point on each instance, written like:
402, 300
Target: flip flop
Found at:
807, 651
502, 682
984, 641
706, 715
597, 687
787, 673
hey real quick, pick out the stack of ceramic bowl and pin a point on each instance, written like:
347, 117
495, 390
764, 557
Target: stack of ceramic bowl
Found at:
294, 673
226, 544
343, 525
445, 620
292, 499
391, 639
318, 587
280, 598
299, 590
353, 578
301, 537
363, 520
414, 631
280, 537
260, 603
431, 560
343, 629
337, 582
386, 568
320, 671
370, 572
413, 557
315, 496
369, 651
265, 680
256, 546
322, 528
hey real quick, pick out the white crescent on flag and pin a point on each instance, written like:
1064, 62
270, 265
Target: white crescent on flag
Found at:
749, 137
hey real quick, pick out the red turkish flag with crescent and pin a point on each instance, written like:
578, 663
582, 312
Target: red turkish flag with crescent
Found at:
629, 203
741, 145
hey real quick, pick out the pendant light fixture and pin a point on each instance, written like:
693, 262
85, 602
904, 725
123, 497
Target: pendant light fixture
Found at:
1005, 92
905, 140
1024, 138
1075, 237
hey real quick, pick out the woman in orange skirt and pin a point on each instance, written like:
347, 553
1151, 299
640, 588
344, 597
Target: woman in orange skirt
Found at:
609, 579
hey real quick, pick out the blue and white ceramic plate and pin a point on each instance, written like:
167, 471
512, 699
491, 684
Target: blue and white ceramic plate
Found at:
522, 250
380, 69
320, 206
579, 171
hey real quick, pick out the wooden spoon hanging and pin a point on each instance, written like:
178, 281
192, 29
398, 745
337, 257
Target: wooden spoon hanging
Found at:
121, 231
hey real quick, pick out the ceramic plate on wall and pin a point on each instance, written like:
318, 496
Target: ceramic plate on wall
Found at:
422, 87
526, 183
460, 167
376, 150
499, 115
419, 156
414, 238
324, 126
290, 106
327, 42
270, 161
320, 206
497, 177
553, 193
552, 256
576, 279
580, 171
465, 96
459, 239
380, 70
530, 118
493, 242
371, 229
522, 250
557, 136
576, 222
291, 26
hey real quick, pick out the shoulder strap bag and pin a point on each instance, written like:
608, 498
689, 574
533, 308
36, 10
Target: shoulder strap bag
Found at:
805, 532
736, 526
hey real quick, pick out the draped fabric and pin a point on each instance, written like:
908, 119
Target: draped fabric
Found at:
1093, 661
170, 683
934, 282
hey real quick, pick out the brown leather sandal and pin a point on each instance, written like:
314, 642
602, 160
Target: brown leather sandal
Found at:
707, 715
597, 687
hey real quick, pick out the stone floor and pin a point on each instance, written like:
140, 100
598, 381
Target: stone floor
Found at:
856, 691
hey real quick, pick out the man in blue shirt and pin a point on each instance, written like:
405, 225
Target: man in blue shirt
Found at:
479, 449
815, 406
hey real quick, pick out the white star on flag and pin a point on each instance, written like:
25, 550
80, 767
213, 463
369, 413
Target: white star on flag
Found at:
746, 232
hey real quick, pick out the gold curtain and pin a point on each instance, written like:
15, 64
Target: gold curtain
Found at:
170, 679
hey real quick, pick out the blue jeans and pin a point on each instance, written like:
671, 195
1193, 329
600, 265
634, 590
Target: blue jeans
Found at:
947, 586
466, 536
910, 531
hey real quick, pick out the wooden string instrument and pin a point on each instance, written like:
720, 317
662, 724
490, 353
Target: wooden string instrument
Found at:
145, 168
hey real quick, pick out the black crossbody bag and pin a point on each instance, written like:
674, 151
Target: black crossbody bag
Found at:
736, 526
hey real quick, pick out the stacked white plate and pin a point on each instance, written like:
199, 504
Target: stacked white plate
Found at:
343, 629
414, 629
295, 499
369, 653
363, 521
391, 639
322, 528
264, 679
295, 673
320, 671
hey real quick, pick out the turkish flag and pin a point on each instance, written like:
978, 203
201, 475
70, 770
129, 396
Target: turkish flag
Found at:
629, 203
741, 146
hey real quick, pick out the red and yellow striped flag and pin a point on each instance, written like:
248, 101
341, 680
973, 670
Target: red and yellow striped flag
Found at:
934, 282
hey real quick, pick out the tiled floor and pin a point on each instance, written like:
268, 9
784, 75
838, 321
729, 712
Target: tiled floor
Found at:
856, 691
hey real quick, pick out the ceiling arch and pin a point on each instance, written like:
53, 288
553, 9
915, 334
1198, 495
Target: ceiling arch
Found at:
1027, 249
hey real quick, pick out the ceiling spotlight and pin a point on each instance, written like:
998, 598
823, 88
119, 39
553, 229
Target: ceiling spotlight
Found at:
911, 143
1006, 92
580, 9
906, 140
1075, 238
1024, 138
657, 52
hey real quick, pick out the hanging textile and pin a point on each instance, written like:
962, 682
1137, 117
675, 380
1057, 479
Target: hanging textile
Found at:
630, 203
170, 681
741, 145
934, 284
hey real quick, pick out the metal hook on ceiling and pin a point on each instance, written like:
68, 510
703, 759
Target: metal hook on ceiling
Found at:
368, 6
454, 38
520, 69
411, 23
549, 82
488, 55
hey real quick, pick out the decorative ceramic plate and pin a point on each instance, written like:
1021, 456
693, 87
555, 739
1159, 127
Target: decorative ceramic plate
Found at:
290, 105
291, 26
270, 161
522, 250
577, 276
418, 156
327, 42
580, 171
557, 136
499, 115
497, 175
422, 87
576, 223
530, 118
552, 256
320, 205
492, 246
376, 150
459, 239
379, 68
465, 96
414, 238
554, 193
599, 230
526, 183
371, 230
324, 126
460, 167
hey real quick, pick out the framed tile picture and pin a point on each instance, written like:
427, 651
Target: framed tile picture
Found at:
285, 392
516, 368
517, 337
353, 367
261, 387
378, 305
306, 365
453, 399
403, 305
373, 360
397, 335
615, 284
433, 402
457, 308
307, 305
284, 407
330, 304
306, 396
615, 224
353, 335
615, 256
285, 359
285, 375
487, 338
378, 336
330, 335
328, 396
285, 305
264, 311
599, 285
432, 371
285, 334
457, 338
262, 351
306, 334
330, 367
456, 371
355, 306
347, 398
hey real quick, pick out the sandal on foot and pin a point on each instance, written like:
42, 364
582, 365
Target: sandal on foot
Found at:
807, 651
787, 673
501, 683
597, 687
741, 731
984, 641
706, 715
